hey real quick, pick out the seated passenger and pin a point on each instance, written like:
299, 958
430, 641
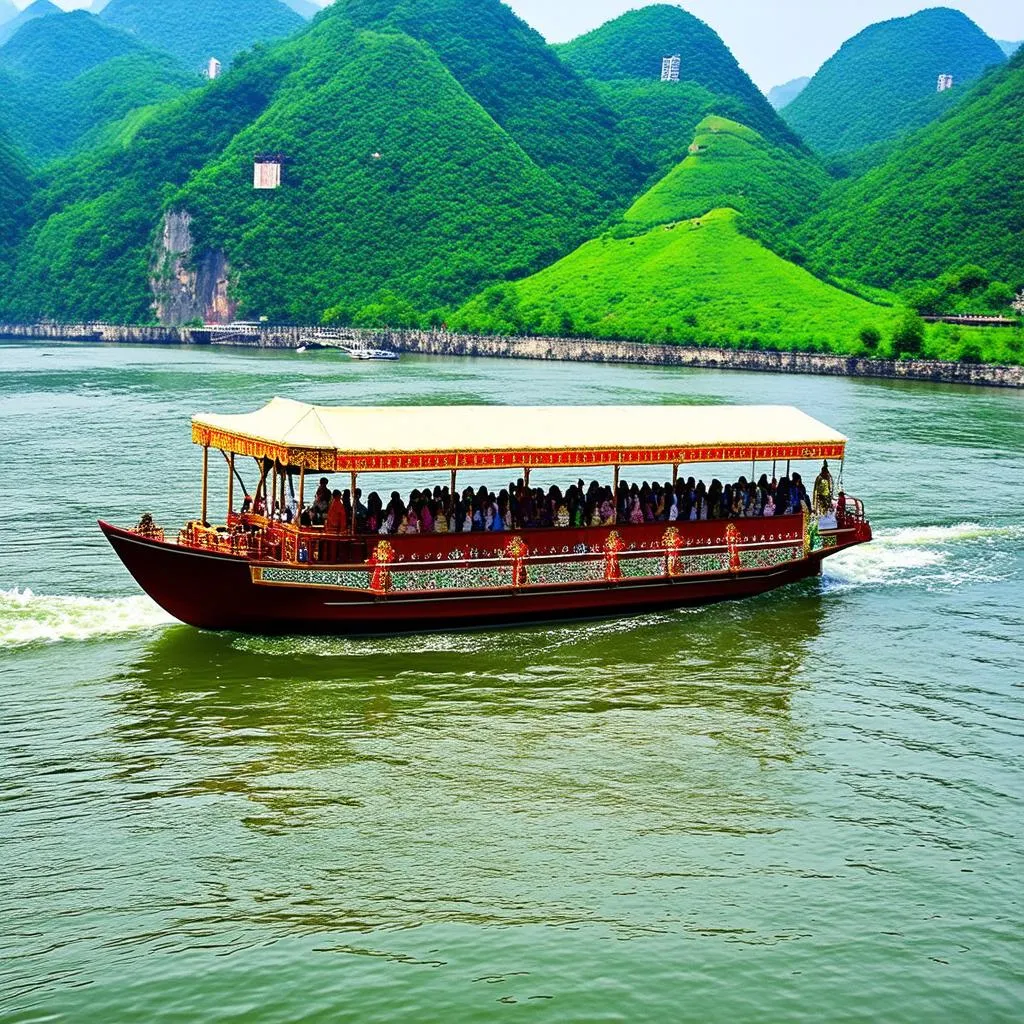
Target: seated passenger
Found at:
321, 501
337, 515
440, 522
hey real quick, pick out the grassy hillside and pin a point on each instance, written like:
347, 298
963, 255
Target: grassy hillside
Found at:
695, 282
625, 56
947, 196
730, 165
70, 76
882, 83
557, 118
397, 181
194, 32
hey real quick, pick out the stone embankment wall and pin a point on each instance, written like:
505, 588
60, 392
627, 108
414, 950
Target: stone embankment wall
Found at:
442, 343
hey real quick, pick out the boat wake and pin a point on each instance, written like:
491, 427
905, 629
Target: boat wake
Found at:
27, 618
930, 556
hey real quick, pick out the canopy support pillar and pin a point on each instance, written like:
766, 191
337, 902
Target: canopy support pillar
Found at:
231, 484
352, 524
615, 495
273, 494
302, 492
526, 475
454, 474
675, 473
206, 470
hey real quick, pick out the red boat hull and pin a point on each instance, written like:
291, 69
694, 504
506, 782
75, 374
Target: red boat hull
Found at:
219, 591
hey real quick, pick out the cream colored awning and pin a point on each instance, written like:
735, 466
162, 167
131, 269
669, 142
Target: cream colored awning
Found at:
385, 439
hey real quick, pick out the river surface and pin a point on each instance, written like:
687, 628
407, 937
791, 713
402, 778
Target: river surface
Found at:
803, 807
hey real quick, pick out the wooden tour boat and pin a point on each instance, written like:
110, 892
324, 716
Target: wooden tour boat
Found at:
258, 575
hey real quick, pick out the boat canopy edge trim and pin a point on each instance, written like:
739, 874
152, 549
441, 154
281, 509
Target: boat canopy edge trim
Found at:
392, 439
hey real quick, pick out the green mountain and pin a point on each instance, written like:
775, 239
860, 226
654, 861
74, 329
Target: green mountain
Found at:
882, 83
730, 165
948, 195
195, 30
557, 118
782, 95
15, 190
693, 282
70, 77
398, 188
624, 59
38, 9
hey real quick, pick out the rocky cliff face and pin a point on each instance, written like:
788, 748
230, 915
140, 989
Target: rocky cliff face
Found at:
188, 286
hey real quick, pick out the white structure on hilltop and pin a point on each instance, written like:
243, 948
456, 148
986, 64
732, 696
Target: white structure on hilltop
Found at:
266, 170
945, 82
213, 69
670, 68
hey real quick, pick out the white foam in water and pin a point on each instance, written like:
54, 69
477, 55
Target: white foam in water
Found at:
946, 556
28, 618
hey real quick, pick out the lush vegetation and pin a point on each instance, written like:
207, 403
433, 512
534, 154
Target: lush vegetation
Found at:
947, 196
69, 77
15, 190
556, 117
694, 282
730, 165
95, 217
397, 180
882, 83
195, 32
628, 52
442, 164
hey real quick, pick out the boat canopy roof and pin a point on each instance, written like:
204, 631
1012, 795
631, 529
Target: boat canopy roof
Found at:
388, 439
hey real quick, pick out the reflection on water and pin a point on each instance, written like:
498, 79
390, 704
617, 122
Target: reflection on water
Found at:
232, 714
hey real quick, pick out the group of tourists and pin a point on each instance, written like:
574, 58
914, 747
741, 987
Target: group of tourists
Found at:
518, 506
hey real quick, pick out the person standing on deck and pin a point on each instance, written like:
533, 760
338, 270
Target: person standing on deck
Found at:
823, 490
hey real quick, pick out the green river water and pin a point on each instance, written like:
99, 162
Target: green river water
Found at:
803, 807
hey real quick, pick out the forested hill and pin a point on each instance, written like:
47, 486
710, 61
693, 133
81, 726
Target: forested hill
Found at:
14, 196
882, 82
400, 191
506, 66
949, 195
195, 32
37, 9
625, 55
69, 77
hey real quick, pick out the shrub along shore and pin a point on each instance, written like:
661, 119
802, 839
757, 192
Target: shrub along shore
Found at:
446, 343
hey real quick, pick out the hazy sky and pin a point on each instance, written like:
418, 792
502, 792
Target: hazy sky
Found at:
774, 40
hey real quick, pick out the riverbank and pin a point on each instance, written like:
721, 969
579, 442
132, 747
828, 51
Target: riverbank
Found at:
444, 343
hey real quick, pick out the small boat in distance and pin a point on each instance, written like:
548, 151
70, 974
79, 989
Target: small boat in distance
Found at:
453, 559
372, 353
